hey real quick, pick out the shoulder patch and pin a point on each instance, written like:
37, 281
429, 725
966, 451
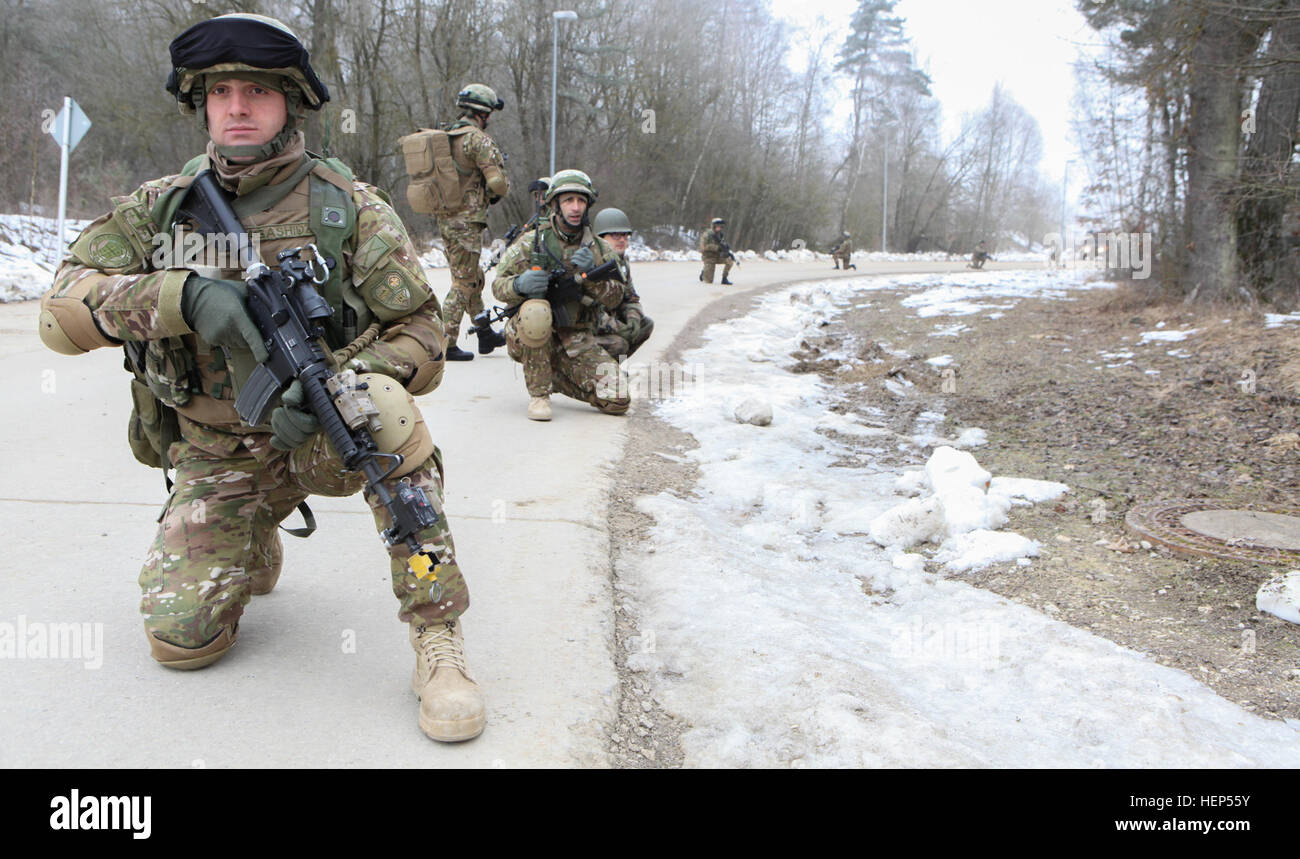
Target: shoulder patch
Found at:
110, 250
393, 292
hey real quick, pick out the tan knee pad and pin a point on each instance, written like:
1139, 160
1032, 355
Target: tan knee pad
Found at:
318, 466
533, 322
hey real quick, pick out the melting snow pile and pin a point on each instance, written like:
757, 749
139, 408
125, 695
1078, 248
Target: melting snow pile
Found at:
1280, 596
960, 509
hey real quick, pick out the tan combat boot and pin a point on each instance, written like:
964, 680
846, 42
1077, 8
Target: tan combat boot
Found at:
451, 705
539, 408
186, 658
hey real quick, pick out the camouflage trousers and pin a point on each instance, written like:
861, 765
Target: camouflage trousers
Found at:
219, 529
842, 258
707, 274
462, 241
578, 368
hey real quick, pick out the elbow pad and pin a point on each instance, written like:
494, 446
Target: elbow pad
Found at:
68, 327
496, 181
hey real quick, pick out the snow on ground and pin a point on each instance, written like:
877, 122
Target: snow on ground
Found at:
966, 293
27, 254
1277, 320
783, 636
1280, 596
1166, 336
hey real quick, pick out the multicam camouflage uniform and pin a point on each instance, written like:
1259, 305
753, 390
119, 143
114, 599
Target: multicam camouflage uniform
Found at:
610, 321
843, 252
462, 232
217, 536
573, 363
711, 254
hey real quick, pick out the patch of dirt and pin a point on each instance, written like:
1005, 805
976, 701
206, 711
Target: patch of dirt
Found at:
1216, 420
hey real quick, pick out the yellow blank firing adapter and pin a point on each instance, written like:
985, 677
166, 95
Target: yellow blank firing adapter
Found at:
422, 565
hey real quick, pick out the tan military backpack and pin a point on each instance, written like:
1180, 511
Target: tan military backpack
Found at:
438, 182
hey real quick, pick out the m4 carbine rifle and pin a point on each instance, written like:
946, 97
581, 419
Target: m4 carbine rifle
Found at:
289, 312
562, 288
726, 251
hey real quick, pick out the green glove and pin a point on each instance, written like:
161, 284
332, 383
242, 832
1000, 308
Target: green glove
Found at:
292, 424
532, 283
216, 310
584, 259
629, 329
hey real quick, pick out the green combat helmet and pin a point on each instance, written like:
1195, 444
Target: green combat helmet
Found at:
261, 49
610, 221
480, 98
566, 181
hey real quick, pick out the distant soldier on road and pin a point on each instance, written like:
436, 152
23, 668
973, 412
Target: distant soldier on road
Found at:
713, 250
980, 256
621, 331
843, 251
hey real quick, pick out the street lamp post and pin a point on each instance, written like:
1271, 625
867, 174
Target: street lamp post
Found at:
884, 194
556, 17
1065, 181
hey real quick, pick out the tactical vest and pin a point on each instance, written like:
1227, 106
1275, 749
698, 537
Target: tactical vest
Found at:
440, 173
552, 255
166, 370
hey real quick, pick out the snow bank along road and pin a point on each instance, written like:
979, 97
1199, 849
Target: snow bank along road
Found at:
320, 675
790, 626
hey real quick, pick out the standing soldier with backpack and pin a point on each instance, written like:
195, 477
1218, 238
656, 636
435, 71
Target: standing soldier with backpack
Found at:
191, 344
456, 173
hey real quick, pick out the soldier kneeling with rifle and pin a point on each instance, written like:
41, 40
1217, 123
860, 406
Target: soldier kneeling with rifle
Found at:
282, 372
552, 281
621, 331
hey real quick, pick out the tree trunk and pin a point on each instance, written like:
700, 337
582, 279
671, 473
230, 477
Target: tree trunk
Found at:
1214, 133
1267, 161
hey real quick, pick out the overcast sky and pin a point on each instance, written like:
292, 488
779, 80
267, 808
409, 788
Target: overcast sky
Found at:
969, 45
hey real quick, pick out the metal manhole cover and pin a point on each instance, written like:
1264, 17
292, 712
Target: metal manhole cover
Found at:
1204, 526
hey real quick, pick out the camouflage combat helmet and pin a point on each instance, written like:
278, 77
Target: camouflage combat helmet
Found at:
255, 47
571, 180
717, 222
845, 233
539, 185
480, 98
610, 221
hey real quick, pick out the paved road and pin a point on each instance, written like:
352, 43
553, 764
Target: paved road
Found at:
320, 676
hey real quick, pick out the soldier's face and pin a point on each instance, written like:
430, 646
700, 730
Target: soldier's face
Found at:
243, 113
572, 207
618, 241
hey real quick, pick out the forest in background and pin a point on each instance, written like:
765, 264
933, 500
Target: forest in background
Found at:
680, 110
1187, 117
